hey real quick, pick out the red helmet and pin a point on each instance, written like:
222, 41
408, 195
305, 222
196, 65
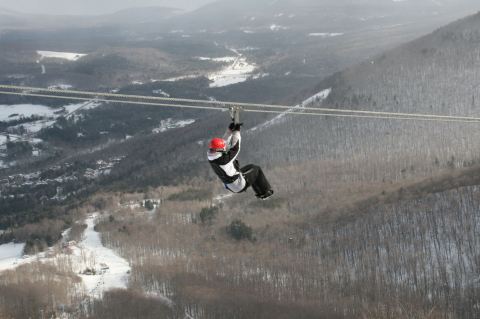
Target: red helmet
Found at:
217, 144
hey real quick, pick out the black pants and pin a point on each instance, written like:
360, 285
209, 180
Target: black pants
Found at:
254, 176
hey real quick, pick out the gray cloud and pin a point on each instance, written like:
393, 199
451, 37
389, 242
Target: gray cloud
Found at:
81, 7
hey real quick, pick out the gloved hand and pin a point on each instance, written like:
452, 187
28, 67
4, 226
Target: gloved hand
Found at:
235, 127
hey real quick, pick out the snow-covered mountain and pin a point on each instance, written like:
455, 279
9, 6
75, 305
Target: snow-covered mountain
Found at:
290, 14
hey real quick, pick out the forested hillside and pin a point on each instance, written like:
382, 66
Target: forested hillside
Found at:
433, 75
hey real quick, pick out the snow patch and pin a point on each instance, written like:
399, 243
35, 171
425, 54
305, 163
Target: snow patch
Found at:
317, 98
70, 56
227, 59
276, 27
161, 92
15, 112
11, 255
260, 75
325, 34
183, 77
84, 106
169, 124
60, 87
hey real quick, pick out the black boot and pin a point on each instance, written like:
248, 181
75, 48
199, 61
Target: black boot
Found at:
266, 196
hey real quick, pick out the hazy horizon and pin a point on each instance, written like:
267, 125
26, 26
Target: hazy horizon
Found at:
93, 7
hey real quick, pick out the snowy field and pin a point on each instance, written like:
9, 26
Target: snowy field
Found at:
99, 267
70, 56
15, 112
238, 71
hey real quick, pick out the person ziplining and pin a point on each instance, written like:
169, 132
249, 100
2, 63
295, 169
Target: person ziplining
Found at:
222, 156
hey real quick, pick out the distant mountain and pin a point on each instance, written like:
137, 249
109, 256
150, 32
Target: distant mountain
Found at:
9, 18
7, 11
124, 18
434, 74
228, 14
140, 15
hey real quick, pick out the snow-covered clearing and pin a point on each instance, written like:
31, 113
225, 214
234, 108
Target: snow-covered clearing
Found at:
11, 255
3, 140
317, 98
239, 71
169, 124
18, 111
109, 269
325, 34
70, 56
99, 267
14, 112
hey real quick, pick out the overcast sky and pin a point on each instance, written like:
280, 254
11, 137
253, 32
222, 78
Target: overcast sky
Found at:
92, 6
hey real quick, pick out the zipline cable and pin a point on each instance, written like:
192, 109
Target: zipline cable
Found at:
225, 103
296, 111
